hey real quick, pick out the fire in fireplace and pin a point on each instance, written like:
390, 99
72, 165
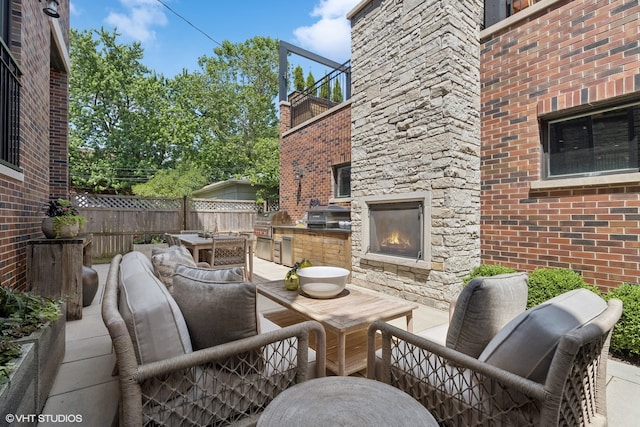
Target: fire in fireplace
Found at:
396, 229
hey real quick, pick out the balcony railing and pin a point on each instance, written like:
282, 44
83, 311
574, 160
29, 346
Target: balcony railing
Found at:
9, 109
329, 91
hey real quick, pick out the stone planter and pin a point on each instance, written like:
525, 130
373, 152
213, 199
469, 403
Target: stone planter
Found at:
18, 395
147, 248
48, 348
67, 230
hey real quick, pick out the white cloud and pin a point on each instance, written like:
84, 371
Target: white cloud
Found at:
139, 19
331, 35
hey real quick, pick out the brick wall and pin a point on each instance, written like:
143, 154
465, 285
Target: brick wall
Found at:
580, 53
313, 148
59, 135
23, 198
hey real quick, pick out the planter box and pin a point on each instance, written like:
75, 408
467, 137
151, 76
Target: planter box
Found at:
147, 248
48, 348
18, 395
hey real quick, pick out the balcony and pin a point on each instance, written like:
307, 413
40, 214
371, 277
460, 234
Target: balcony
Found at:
329, 91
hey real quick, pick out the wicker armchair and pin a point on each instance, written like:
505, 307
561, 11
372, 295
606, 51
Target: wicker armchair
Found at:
226, 384
460, 390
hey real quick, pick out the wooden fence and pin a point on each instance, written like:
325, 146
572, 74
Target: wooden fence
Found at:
115, 221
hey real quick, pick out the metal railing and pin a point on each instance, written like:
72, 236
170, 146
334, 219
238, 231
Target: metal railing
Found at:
331, 90
9, 109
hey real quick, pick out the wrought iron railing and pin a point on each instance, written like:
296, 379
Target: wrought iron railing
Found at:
329, 91
9, 109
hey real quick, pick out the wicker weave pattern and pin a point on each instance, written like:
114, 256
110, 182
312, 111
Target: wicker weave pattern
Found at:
461, 391
227, 384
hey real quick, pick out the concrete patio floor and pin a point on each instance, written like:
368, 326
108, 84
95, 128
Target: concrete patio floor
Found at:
85, 386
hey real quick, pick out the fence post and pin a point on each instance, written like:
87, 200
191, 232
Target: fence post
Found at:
185, 213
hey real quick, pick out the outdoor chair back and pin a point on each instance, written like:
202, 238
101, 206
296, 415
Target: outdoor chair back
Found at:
229, 252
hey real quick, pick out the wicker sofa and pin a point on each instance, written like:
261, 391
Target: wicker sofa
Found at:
201, 355
547, 366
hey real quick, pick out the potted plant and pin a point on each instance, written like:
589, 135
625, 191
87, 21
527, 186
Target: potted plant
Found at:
32, 345
62, 221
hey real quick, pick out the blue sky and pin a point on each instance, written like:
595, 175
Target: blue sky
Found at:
171, 44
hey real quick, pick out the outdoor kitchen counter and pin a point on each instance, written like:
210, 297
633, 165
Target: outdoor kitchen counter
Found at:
296, 227
323, 246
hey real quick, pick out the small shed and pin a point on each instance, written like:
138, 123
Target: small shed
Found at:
232, 189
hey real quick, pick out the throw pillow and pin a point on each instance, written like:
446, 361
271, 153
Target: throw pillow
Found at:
165, 261
219, 275
483, 307
216, 311
527, 344
219, 312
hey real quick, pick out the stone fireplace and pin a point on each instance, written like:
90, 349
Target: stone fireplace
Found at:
415, 146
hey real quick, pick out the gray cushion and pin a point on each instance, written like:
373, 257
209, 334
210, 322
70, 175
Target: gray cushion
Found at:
165, 262
216, 312
484, 306
153, 319
526, 345
221, 275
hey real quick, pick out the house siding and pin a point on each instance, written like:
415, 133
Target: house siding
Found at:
43, 138
579, 53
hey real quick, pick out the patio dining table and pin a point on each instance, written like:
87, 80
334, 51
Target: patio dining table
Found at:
195, 243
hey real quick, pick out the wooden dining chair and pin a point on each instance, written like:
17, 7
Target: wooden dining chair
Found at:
171, 241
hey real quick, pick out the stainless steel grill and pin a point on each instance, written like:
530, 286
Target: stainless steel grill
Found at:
327, 216
263, 230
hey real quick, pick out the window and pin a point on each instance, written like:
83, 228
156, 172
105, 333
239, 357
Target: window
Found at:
497, 10
342, 181
601, 142
9, 95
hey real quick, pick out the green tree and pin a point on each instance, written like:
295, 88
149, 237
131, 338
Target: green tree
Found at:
265, 172
234, 99
298, 78
178, 182
336, 93
325, 89
128, 124
117, 114
311, 81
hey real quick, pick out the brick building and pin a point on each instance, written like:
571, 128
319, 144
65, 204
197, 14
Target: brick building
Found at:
560, 125
33, 125
311, 157
560, 129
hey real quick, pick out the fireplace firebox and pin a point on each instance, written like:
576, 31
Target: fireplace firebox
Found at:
396, 229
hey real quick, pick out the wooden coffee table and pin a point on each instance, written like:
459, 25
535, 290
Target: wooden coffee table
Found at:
345, 319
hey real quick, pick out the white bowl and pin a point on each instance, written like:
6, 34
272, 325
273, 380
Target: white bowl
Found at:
322, 281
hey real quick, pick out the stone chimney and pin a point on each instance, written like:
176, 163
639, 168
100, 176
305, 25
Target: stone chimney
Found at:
416, 136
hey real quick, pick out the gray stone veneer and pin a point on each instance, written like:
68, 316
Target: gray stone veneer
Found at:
416, 128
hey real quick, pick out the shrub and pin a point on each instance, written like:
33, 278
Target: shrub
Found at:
546, 283
21, 314
625, 337
485, 270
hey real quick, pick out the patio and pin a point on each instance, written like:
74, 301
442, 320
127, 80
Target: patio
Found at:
84, 385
